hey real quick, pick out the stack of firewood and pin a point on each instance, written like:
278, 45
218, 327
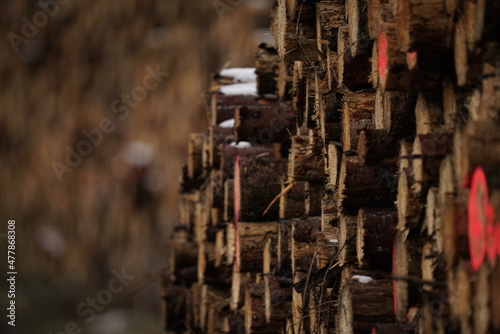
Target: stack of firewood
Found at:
354, 189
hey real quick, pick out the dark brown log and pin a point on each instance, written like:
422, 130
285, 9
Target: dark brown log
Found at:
428, 152
328, 247
357, 23
386, 329
264, 124
365, 186
306, 162
429, 113
218, 137
362, 305
228, 200
377, 147
250, 242
495, 297
292, 202
222, 107
285, 80
195, 155
329, 116
296, 35
260, 183
303, 243
266, 68
314, 196
357, 114
353, 71
396, 113
230, 153
423, 25
284, 247
376, 230
330, 16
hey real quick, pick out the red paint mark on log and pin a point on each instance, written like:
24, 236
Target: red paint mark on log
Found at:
477, 218
411, 59
382, 56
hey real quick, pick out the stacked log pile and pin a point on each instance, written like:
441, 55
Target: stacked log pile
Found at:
357, 189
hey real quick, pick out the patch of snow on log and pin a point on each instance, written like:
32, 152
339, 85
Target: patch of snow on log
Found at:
227, 123
336, 241
363, 279
248, 89
240, 74
241, 144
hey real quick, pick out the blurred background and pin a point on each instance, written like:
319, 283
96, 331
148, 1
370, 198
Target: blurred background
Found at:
93, 133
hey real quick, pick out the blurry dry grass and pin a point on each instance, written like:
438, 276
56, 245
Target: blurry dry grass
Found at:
64, 81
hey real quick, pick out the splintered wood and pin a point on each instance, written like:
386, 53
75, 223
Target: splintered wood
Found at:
359, 190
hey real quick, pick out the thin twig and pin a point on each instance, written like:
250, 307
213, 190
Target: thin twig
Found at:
287, 189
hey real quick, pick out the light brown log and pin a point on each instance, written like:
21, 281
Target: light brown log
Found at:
376, 230
306, 162
347, 239
357, 23
334, 153
481, 301
328, 246
495, 297
357, 114
409, 201
407, 263
461, 296
429, 113
428, 152
222, 107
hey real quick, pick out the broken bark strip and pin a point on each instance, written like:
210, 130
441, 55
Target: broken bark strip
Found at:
303, 242
357, 114
266, 68
292, 202
362, 305
260, 182
264, 124
377, 147
330, 16
376, 230
365, 186
250, 242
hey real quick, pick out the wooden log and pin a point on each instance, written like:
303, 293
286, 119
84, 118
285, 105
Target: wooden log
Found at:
299, 307
334, 153
292, 202
353, 71
228, 200
347, 239
433, 266
295, 35
423, 25
222, 107
407, 263
329, 17
230, 152
314, 196
396, 113
250, 242
266, 68
277, 301
303, 242
409, 202
386, 329
264, 124
428, 152
259, 181
490, 97
429, 113
461, 296
495, 297
357, 114
255, 318
357, 24
377, 147
376, 230
329, 116
328, 246
365, 186
306, 162
285, 80
455, 238
481, 300
183, 263
363, 302
195, 159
